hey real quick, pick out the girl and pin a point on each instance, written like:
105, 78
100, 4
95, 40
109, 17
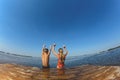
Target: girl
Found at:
61, 56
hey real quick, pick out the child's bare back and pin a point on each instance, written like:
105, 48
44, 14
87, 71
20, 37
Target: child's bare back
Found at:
45, 60
45, 57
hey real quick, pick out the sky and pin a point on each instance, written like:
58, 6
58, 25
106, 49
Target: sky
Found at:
84, 26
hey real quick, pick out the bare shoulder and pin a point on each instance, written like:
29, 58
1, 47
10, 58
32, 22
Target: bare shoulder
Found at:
42, 54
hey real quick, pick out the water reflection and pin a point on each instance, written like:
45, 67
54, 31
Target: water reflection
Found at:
50, 73
60, 72
45, 73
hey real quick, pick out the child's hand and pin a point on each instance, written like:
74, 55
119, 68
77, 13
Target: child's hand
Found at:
64, 46
54, 44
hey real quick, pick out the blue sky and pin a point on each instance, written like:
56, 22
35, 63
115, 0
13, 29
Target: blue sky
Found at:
84, 26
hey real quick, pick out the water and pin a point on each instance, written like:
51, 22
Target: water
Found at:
33, 61
111, 57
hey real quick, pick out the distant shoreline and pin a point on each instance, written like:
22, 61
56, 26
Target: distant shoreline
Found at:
15, 54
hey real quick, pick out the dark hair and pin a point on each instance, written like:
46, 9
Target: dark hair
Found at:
60, 49
45, 50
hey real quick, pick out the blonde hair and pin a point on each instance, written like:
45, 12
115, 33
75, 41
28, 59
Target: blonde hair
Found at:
62, 57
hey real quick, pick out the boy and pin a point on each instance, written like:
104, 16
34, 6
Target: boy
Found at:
45, 57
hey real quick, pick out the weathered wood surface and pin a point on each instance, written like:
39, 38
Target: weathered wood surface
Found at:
87, 72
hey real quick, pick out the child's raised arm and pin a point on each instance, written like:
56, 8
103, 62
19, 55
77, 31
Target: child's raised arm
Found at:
53, 51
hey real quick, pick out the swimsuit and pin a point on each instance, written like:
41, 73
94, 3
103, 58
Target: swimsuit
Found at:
60, 64
46, 66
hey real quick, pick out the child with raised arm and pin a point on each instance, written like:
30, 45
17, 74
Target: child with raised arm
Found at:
61, 56
45, 57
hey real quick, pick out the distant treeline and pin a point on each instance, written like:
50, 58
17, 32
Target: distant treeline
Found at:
14, 54
113, 48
